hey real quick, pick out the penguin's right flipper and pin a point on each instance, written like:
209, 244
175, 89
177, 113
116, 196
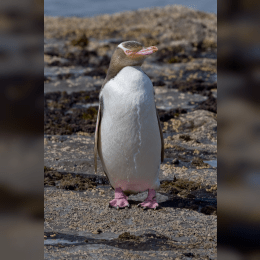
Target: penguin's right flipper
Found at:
96, 137
99, 117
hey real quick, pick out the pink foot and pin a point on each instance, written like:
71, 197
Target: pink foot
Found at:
150, 202
120, 200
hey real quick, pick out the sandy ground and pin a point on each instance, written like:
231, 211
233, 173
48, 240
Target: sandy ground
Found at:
186, 230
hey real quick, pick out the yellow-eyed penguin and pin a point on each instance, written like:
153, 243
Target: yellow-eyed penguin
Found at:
128, 135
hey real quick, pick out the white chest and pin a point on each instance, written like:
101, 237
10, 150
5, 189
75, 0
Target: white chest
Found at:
129, 94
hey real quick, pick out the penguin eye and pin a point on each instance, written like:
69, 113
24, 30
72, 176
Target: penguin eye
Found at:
129, 52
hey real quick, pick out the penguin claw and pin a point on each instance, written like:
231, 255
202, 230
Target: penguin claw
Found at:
144, 208
117, 207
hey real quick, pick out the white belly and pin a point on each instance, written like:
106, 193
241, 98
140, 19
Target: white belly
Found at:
129, 137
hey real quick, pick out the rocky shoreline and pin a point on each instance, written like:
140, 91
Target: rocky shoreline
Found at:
78, 222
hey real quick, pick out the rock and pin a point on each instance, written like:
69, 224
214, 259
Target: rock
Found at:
198, 162
185, 137
127, 236
98, 231
175, 161
81, 41
210, 104
208, 210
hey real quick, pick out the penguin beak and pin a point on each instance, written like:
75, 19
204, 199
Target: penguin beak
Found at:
147, 51
143, 52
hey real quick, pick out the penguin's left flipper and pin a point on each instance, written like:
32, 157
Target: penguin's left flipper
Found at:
160, 129
161, 135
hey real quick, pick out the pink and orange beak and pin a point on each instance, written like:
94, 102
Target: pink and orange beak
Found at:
143, 52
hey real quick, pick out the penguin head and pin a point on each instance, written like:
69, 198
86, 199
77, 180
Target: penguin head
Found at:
131, 53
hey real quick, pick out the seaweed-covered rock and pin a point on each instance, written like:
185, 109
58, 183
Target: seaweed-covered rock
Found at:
81, 41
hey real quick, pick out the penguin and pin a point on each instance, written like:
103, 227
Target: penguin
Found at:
128, 135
